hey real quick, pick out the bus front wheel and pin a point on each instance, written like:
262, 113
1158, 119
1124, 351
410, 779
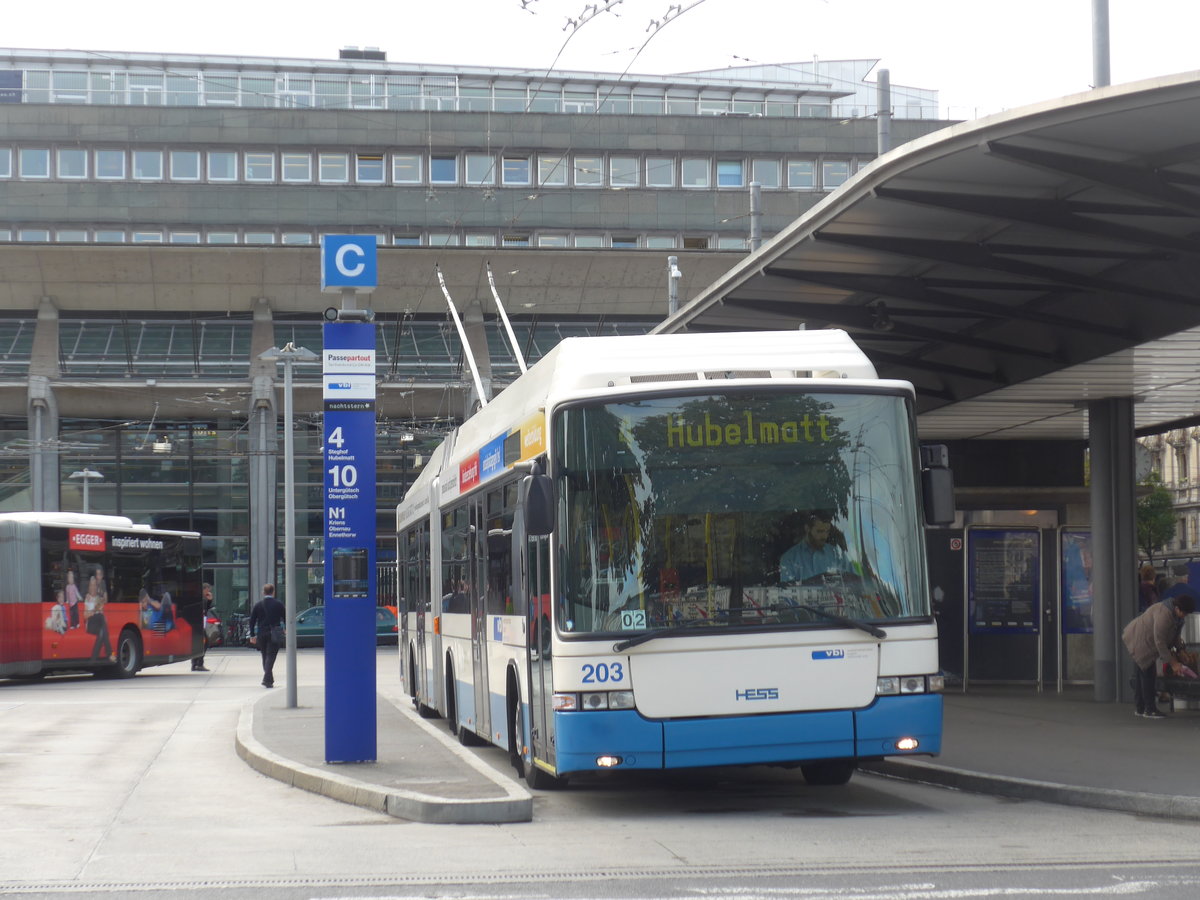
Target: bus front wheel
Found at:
129, 654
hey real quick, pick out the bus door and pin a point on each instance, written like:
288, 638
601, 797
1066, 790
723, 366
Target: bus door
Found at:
541, 678
479, 619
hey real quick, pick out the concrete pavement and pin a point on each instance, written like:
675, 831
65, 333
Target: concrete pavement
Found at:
1061, 748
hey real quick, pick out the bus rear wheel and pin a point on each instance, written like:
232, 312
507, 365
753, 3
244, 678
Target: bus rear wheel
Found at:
129, 654
833, 771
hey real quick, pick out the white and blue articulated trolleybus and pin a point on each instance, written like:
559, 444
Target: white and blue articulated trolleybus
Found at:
672, 551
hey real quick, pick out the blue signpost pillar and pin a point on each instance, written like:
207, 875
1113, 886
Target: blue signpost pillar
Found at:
348, 365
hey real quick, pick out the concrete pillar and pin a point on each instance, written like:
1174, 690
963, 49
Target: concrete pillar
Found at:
44, 475
263, 443
1114, 543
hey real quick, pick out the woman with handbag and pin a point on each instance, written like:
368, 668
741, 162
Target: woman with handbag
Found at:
266, 631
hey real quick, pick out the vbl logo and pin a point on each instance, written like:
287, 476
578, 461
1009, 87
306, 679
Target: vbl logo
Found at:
757, 694
829, 654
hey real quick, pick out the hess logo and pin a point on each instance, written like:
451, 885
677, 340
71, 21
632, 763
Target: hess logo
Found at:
757, 694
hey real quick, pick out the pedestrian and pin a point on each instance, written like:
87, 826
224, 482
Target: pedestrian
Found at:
207, 593
1147, 589
267, 615
1150, 640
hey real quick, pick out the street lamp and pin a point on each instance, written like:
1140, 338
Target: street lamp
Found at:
86, 475
289, 356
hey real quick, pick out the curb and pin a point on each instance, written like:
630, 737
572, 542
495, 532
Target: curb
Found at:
1162, 805
515, 806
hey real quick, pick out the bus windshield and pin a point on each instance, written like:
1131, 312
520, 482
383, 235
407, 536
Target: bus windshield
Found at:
751, 509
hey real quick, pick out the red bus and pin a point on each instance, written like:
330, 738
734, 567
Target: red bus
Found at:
91, 593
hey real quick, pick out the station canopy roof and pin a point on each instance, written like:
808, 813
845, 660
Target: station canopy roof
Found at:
1013, 268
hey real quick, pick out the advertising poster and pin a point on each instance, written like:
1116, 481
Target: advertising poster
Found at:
1075, 555
1003, 580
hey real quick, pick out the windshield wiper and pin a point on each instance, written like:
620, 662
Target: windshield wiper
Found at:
870, 629
659, 632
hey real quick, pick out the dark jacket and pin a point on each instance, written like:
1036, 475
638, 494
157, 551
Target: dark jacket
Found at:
267, 613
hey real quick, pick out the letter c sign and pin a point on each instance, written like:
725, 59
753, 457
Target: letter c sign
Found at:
348, 261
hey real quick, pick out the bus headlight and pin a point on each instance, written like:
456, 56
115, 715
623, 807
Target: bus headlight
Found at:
620, 700
889, 685
594, 701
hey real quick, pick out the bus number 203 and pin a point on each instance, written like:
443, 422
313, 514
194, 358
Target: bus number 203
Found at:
603, 673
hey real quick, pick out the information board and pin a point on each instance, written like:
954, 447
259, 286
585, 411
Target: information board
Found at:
1003, 580
348, 371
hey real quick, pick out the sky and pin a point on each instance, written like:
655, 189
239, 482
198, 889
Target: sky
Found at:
982, 57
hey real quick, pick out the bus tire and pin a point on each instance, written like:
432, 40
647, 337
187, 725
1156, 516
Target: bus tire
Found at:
129, 654
537, 779
451, 700
831, 771
425, 712
544, 637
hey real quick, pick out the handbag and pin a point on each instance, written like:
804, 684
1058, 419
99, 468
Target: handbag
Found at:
95, 623
278, 636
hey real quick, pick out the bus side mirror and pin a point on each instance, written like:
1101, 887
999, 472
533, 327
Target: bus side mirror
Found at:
539, 505
937, 485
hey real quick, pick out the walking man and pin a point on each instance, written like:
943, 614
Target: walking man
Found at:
267, 615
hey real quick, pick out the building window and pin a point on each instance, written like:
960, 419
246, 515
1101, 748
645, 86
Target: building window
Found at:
552, 170
731, 243
624, 242
147, 237
589, 171
660, 171
296, 237
660, 243
222, 237
695, 173
516, 170
260, 166
148, 165
333, 168
109, 165
5, 162
34, 235
71, 236
109, 236
695, 243
72, 163
442, 239
35, 162
185, 165
406, 240
443, 170
185, 237
368, 169
802, 174
730, 173
406, 168
765, 172
260, 237
514, 240
834, 173
552, 240
222, 165
589, 241
623, 171
481, 240
481, 168
296, 167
